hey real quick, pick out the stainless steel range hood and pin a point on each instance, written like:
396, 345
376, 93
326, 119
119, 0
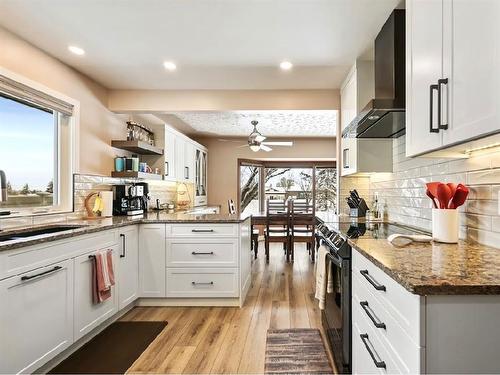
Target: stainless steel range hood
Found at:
384, 116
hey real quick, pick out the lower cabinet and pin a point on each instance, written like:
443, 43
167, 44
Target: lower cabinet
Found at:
87, 314
36, 317
152, 260
128, 267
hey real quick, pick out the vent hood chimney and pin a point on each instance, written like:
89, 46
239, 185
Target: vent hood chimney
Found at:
384, 116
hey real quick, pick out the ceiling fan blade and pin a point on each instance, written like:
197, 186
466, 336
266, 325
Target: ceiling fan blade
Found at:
284, 143
241, 146
265, 148
228, 140
259, 138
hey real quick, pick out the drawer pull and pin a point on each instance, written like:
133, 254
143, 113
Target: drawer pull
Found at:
209, 283
202, 230
379, 324
372, 281
368, 345
201, 253
56, 268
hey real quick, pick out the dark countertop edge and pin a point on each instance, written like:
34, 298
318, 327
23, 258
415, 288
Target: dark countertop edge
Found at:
430, 290
89, 229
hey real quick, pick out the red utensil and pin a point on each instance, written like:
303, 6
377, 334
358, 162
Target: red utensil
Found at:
432, 187
443, 195
460, 196
453, 188
433, 198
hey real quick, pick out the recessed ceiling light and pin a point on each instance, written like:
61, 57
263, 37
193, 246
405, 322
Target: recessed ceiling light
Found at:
169, 65
286, 65
76, 50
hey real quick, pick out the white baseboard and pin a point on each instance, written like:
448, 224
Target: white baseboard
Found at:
187, 302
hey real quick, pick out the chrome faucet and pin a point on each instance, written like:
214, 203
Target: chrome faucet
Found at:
3, 186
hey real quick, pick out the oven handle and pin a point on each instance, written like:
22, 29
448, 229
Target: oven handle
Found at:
334, 259
372, 281
366, 340
364, 306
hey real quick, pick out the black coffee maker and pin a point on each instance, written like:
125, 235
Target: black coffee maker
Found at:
130, 199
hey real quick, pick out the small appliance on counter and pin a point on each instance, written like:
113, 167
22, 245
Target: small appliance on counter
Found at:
357, 205
130, 199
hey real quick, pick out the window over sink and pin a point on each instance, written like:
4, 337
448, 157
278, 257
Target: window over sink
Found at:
36, 149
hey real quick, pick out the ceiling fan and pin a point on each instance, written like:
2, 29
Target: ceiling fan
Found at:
256, 140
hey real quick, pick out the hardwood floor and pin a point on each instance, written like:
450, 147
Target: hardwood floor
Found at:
228, 340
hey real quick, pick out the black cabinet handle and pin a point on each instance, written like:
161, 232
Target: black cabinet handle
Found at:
122, 255
186, 173
442, 81
202, 230
56, 268
432, 129
372, 281
167, 169
364, 305
366, 340
209, 283
200, 253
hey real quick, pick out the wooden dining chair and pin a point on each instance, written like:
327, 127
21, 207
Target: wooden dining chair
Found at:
302, 227
277, 225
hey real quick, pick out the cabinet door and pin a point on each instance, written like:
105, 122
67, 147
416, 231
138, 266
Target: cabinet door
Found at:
87, 314
36, 317
170, 155
128, 285
424, 48
152, 266
472, 66
348, 101
189, 162
180, 171
349, 156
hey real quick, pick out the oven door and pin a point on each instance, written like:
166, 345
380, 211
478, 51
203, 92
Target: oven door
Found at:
337, 313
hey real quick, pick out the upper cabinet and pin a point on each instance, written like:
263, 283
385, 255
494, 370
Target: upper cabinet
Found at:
201, 165
170, 166
361, 155
453, 55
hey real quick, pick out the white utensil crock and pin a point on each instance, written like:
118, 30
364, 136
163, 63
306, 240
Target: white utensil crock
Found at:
445, 225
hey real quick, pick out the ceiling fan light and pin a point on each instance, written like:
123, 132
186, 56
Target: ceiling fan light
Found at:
254, 148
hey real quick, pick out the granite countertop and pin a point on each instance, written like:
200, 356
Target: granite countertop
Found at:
86, 226
435, 268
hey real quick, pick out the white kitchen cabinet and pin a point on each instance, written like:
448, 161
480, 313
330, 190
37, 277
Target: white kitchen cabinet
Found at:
189, 162
128, 268
87, 314
361, 155
453, 54
152, 261
180, 170
36, 317
170, 155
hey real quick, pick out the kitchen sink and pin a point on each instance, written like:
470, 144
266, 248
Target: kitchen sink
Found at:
27, 233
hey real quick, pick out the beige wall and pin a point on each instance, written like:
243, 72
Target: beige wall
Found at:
144, 101
223, 162
97, 124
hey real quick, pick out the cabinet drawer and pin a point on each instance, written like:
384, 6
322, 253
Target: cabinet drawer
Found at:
193, 282
370, 344
203, 230
185, 252
391, 334
406, 308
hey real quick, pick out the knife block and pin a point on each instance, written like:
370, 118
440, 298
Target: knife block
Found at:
359, 211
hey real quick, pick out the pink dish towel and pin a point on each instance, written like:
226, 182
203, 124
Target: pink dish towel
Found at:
103, 277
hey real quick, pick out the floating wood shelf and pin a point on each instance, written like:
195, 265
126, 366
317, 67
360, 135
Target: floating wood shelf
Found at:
137, 147
139, 175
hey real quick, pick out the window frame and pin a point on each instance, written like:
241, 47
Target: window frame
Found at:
66, 150
280, 163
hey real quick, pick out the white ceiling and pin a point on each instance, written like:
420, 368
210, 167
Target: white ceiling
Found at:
293, 123
216, 44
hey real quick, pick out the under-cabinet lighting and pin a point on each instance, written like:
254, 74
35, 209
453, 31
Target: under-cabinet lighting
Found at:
481, 148
76, 50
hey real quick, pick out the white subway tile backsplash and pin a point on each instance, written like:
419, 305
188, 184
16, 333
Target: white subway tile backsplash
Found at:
403, 191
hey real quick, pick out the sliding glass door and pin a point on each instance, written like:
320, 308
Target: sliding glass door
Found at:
250, 188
